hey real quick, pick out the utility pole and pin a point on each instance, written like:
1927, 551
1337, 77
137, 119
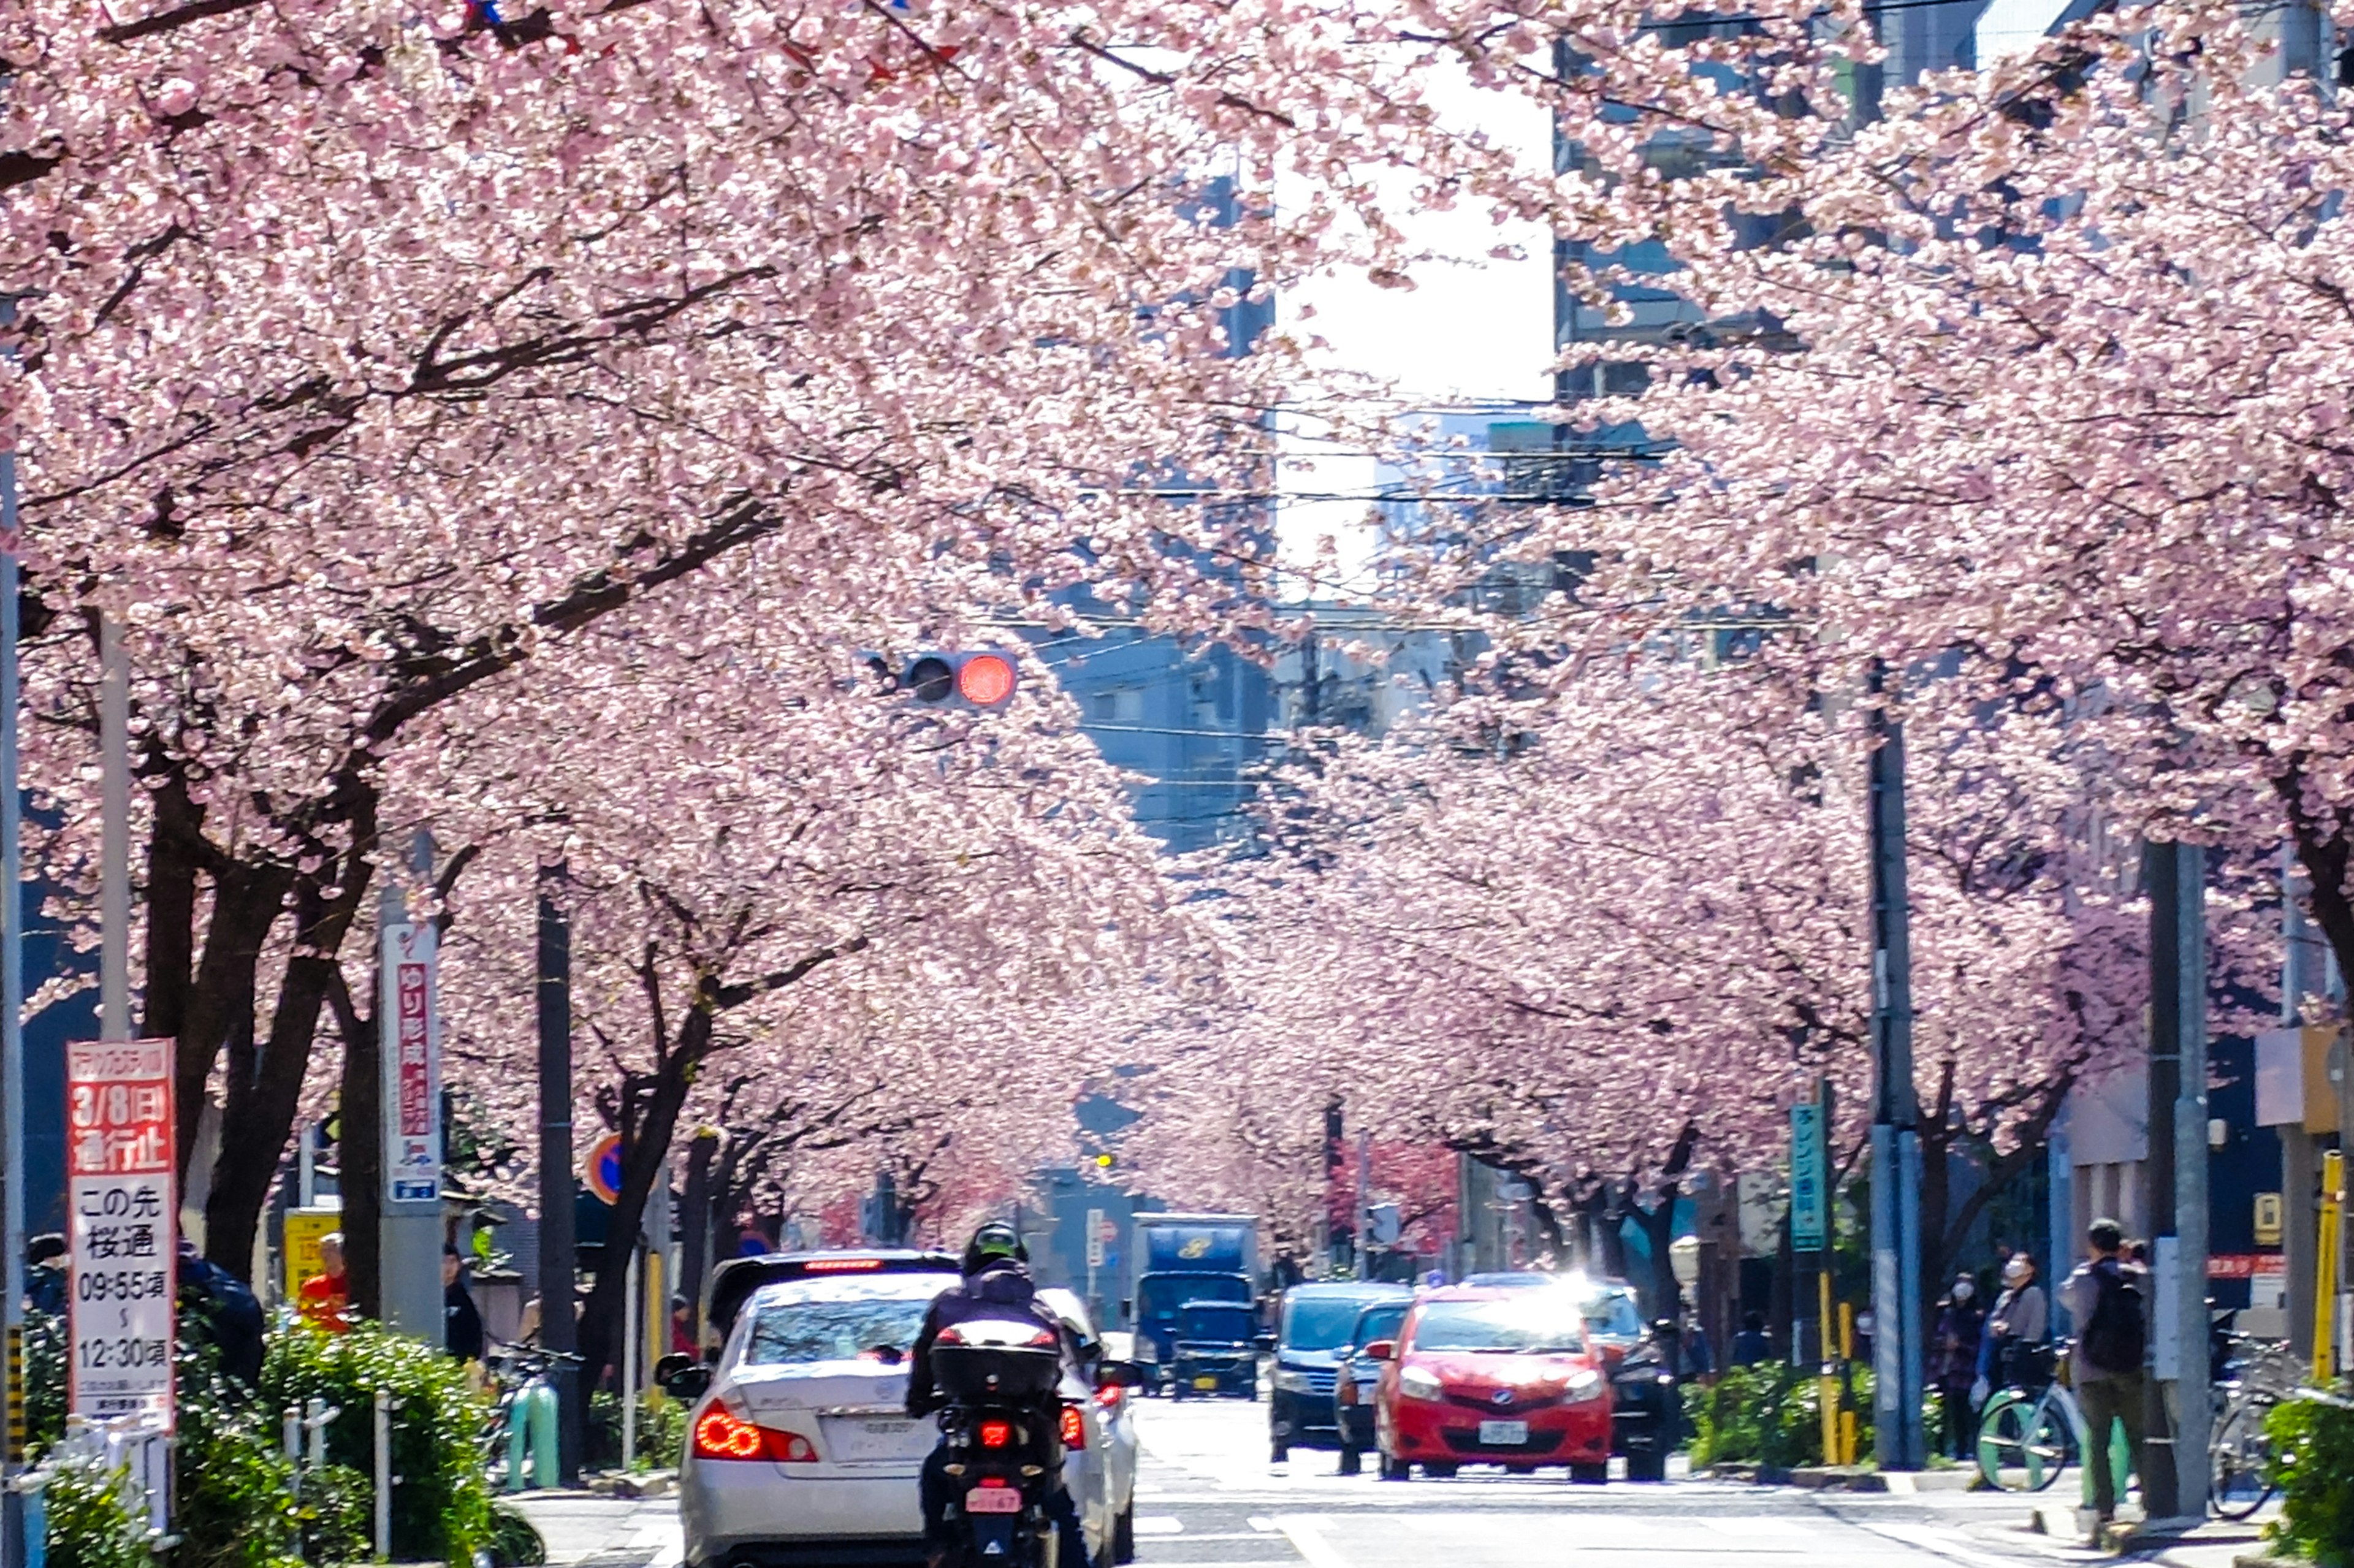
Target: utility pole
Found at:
1360, 1223
1898, 1439
558, 1320
408, 1193
13, 1545
2174, 875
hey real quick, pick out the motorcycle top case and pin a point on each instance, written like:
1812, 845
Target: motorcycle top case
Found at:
969, 1373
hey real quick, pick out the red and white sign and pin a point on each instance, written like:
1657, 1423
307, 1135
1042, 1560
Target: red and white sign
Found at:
412, 1067
2242, 1265
122, 1227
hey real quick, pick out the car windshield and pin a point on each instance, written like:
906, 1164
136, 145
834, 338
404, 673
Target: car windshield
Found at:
1220, 1322
1612, 1315
1498, 1326
794, 1331
1319, 1323
1378, 1323
1158, 1297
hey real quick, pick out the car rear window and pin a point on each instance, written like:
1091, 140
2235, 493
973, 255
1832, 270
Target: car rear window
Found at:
1379, 1323
1531, 1324
797, 1332
1613, 1312
1319, 1323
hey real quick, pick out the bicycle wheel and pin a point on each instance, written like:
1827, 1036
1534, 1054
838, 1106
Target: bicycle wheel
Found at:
2023, 1445
2239, 1461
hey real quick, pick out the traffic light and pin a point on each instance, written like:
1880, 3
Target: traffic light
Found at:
982, 679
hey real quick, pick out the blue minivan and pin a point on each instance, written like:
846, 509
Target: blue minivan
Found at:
1314, 1326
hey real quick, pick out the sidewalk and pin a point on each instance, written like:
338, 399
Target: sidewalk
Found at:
583, 1530
2212, 1544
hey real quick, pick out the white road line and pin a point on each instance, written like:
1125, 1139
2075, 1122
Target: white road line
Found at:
1261, 1522
1929, 1538
1309, 1542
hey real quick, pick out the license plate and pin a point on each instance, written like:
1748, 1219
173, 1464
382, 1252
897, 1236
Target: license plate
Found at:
1208, 1383
1514, 1432
992, 1499
854, 1440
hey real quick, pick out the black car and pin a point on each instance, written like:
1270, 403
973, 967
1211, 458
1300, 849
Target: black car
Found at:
1215, 1350
1353, 1388
1316, 1323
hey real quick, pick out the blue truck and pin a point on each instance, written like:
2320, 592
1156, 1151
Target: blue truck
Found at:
1179, 1259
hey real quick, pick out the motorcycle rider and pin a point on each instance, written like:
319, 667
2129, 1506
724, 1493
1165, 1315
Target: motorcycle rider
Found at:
997, 1286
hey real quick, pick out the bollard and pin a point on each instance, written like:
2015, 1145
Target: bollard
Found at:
384, 1407
316, 1414
546, 1470
290, 1439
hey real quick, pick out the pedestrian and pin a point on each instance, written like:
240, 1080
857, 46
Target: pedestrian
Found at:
2107, 1296
217, 1309
681, 1328
324, 1300
1751, 1346
461, 1321
1954, 1363
2013, 1349
45, 1274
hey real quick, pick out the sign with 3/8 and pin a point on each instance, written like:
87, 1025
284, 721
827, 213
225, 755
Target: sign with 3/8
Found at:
123, 1224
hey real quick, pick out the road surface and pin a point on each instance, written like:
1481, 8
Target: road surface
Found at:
1207, 1498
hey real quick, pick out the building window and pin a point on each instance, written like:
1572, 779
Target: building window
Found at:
1120, 705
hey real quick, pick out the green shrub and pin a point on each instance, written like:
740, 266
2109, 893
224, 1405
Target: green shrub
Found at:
235, 1507
87, 1523
661, 1431
44, 1380
2313, 1459
1770, 1414
442, 1509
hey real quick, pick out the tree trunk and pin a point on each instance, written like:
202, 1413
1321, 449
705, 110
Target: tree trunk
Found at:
642, 1163
219, 1005
171, 913
359, 1155
694, 1227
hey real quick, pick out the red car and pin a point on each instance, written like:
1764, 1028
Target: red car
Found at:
1489, 1376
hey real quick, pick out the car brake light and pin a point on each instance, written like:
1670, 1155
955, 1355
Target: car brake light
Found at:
948, 1336
1044, 1340
841, 1265
720, 1436
996, 1434
1074, 1428
1109, 1396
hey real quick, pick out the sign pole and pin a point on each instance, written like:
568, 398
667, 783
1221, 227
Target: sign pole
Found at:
409, 1029
13, 1545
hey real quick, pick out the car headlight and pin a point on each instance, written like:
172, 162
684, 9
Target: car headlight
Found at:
1415, 1383
1584, 1384
1292, 1382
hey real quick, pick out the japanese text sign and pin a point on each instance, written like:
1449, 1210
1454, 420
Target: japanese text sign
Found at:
124, 1225
1809, 1179
412, 1067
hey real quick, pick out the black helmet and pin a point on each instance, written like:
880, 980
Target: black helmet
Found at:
993, 1242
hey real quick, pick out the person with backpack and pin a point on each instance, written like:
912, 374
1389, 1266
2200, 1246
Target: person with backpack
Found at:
2108, 1297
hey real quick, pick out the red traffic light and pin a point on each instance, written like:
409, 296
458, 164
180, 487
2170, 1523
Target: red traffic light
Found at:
985, 679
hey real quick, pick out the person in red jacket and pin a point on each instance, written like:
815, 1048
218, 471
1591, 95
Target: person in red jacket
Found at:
324, 1299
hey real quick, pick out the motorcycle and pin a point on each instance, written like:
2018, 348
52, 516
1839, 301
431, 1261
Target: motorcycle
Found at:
1004, 1423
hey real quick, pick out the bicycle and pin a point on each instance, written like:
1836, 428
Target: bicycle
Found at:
2255, 1375
2026, 1440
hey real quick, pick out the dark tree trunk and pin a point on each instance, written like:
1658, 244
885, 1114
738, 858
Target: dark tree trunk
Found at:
172, 866
218, 1008
262, 1109
642, 1163
694, 1227
359, 1155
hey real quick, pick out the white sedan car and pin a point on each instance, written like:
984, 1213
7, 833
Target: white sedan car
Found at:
798, 1445
1116, 1411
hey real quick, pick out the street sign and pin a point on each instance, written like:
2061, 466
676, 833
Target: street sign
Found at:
412, 1067
602, 1169
1382, 1224
1095, 1238
2268, 1219
125, 1221
1809, 1179
305, 1229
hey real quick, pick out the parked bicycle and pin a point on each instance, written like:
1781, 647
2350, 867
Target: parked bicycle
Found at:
2250, 1377
2026, 1438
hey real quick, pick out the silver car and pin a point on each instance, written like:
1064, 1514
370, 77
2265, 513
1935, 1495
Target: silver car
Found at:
800, 1448
1116, 1413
